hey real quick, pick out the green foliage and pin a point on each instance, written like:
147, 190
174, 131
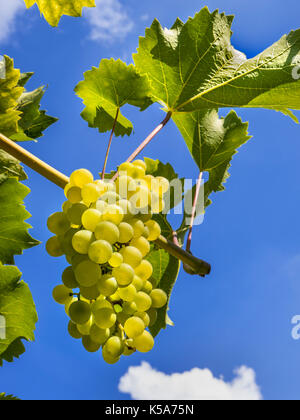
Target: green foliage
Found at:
10, 167
4, 397
105, 90
53, 10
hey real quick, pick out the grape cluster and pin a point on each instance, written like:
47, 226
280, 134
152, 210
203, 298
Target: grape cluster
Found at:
105, 231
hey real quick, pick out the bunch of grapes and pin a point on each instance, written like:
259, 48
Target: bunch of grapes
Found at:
105, 231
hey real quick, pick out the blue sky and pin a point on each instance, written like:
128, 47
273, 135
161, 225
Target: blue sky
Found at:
241, 314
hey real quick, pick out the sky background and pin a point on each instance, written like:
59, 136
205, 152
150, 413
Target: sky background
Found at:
238, 316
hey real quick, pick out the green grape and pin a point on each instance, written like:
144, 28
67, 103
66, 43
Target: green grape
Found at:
164, 185
109, 359
141, 198
142, 245
90, 293
110, 197
107, 285
62, 295
113, 214
110, 185
69, 279
155, 230
129, 308
144, 317
68, 304
80, 312
77, 259
115, 297
157, 203
101, 185
146, 233
58, 223
89, 344
75, 213
66, 206
123, 274
116, 260
66, 242
91, 218
122, 317
138, 283
143, 301
69, 259
127, 293
149, 179
90, 193
153, 316
105, 318
100, 252
126, 168
144, 342
82, 240
144, 270
53, 247
107, 231
114, 346
128, 209
159, 298
73, 331
138, 227
147, 288
99, 335
126, 233
87, 273
134, 327
81, 177
101, 303
100, 206
122, 184
132, 256
141, 164
85, 328
74, 195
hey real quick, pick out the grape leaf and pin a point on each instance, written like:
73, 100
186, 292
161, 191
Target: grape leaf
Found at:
18, 311
10, 167
193, 66
14, 236
105, 90
4, 397
53, 10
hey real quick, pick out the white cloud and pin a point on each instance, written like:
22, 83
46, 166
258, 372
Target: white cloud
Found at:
145, 383
109, 21
8, 11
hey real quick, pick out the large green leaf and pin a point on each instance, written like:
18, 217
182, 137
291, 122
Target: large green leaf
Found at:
18, 311
193, 66
105, 90
53, 10
10, 167
14, 236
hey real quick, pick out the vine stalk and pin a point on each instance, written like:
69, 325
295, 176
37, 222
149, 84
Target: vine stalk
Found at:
194, 209
109, 144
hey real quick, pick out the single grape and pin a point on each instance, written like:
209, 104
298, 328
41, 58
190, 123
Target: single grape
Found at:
90, 219
82, 240
147, 288
62, 295
101, 185
138, 283
67, 188
129, 308
66, 242
138, 227
105, 318
107, 285
116, 260
127, 293
85, 329
153, 316
134, 327
75, 213
101, 303
115, 297
144, 317
123, 274
109, 359
99, 335
87, 273
80, 312
53, 247
73, 331
126, 168
107, 231
142, 245
77, 259
122, 185
58, 223
141, 164
114, 346
90, 193
74, 195
113, 214
159, 298
144, 270
132, 256
144, 342
100, 252
143, 301
89, 344
69, 279
81, 177
66, 206
90, 293
69, 303
126, 233
155, 230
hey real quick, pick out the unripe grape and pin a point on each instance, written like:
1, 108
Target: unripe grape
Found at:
89, 344
123, 274
144, 342
116, 260
53, 247
127, 293
73, 331
155, 230
132, 256
142, 245
90, 193
87, 273
138, 227
81, 177
159, 298
107, 231
82, 240
147, 288
105, 318
77, 259
143, 302
144, 270
144, 317
85, 329
58, 223
62, 295
69, 279
134, 327
107, 285
75, 213
129, 308
128, 209
101, 303
90, 293
114, 346
108, 358
138, 283
67, 188
100, 252
113, 214
66, 206
66, 243
80, 312
99, 335
74, 195
90, 219
69, 303
126, 233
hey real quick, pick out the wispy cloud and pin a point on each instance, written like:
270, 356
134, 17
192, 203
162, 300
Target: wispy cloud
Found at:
109, 21
145, 383
8, 11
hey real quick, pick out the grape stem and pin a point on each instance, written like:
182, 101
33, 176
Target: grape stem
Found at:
109, 144
147, 141
200, 267
195, 202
